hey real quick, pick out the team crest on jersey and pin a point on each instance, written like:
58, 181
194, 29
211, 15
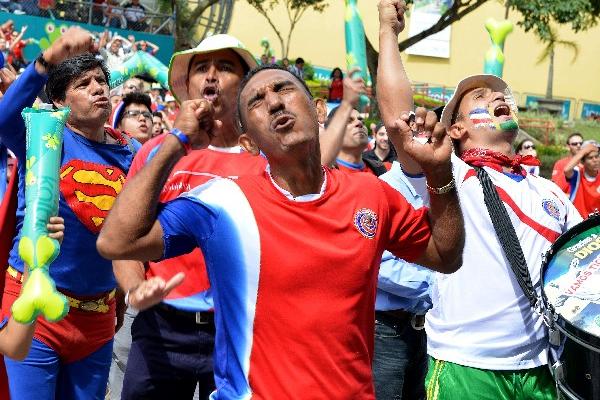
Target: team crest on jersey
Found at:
90, 190
365, 221
551, 209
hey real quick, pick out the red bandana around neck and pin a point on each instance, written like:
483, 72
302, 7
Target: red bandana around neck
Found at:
493, 159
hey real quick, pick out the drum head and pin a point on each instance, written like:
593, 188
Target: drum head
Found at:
571, 280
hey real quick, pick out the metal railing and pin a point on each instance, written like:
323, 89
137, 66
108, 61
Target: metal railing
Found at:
85, 11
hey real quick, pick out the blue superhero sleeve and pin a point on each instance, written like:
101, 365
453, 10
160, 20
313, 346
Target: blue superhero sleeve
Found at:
20, 94
186, 224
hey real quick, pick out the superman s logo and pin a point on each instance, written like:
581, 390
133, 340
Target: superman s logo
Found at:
90, 190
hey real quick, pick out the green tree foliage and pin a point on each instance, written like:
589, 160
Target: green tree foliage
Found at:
187, 16
537, 15
534, 15
294, 9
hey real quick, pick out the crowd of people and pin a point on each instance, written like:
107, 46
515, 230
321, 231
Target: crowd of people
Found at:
113, 48
12, 44
128, 14
232, 238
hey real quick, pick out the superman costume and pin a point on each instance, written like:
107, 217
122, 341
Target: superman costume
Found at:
69, 359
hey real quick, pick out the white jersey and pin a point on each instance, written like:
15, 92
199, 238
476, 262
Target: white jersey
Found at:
481, 318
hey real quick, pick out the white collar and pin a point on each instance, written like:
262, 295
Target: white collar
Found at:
305, 197
589, 178
234, 149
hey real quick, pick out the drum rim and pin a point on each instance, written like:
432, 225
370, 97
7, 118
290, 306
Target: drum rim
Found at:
562, 385
562, 323
566, 390
589, 341
591, 222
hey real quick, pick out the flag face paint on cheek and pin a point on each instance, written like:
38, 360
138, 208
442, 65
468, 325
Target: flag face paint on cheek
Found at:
481, 119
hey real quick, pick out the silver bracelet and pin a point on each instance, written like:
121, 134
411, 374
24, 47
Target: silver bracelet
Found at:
127, 298
442, 190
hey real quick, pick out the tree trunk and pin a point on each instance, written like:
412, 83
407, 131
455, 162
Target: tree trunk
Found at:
284, 50
549, 87
372, 63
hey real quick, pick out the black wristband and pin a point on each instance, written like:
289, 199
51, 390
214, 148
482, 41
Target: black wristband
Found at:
43, 62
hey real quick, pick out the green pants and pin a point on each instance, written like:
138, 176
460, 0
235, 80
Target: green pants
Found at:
449, 381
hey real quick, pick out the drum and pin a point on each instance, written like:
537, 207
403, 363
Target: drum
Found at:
571, 295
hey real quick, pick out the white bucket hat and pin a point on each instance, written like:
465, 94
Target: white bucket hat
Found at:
473, 82
178, 68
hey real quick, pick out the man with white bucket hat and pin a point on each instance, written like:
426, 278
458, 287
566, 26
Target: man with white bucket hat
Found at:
173, 341
484, 338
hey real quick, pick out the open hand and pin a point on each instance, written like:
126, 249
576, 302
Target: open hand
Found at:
153, 291
434, 155
391, 14
7, 77
589, 148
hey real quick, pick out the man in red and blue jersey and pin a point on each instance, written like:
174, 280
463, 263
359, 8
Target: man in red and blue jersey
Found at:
185, 328
292, 254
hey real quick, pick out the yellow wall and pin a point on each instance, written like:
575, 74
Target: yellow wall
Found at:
319, 38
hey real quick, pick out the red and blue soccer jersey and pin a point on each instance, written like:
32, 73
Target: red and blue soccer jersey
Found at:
585, 191
193, 170
294, 282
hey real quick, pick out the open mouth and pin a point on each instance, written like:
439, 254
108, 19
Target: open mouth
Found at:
210, 93
502, 110
143, 128
283, 122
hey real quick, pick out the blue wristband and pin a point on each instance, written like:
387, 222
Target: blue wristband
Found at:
183, 139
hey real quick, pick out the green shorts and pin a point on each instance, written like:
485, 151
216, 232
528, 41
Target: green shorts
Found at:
449, 381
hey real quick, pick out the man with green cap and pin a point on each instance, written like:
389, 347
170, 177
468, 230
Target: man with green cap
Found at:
173, 340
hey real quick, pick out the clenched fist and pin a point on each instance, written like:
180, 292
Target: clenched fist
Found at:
196, 120
391, 14
73, 42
